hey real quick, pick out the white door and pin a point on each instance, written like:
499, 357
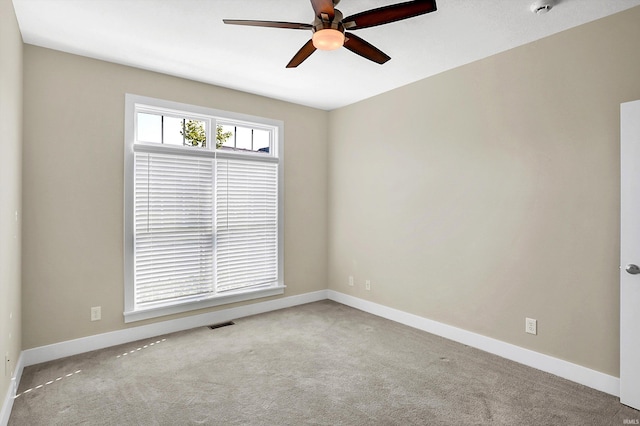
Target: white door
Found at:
630, 254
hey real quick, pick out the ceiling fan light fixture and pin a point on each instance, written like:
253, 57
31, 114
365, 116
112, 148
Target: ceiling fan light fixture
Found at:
328, 39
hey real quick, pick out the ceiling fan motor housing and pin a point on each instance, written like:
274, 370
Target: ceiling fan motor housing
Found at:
323, 23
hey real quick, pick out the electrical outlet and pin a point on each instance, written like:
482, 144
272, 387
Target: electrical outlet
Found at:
351, 280
96, 313
367, 285
531, 326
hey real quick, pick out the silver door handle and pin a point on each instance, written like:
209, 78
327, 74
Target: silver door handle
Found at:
632, 269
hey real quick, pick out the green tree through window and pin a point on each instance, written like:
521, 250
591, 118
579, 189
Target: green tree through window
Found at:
194, 134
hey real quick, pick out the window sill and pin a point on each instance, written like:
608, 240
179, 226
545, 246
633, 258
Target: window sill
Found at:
218, 300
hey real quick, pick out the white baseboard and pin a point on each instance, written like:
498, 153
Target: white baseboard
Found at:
574, 372
113, 338
7, 404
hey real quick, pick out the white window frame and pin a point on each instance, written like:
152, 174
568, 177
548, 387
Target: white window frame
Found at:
136, 103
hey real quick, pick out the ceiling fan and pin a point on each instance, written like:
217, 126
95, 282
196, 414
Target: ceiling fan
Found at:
329, 27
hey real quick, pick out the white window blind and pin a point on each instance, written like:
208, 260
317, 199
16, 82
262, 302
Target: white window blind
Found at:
173, 227
246, 224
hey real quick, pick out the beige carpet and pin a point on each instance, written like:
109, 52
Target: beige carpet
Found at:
321, 363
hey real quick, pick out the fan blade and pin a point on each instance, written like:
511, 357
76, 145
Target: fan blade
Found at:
272, 24
321, 7
302, 54
387, 14
365, 49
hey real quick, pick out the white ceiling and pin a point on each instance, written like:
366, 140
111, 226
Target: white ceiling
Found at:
187, 38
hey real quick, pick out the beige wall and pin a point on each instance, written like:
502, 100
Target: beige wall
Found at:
476, 197
491, 192
10, 190
73, 188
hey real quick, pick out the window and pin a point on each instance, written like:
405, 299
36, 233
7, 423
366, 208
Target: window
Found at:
245, 138
203, 207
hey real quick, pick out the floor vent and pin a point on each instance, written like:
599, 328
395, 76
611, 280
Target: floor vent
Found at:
222, 324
